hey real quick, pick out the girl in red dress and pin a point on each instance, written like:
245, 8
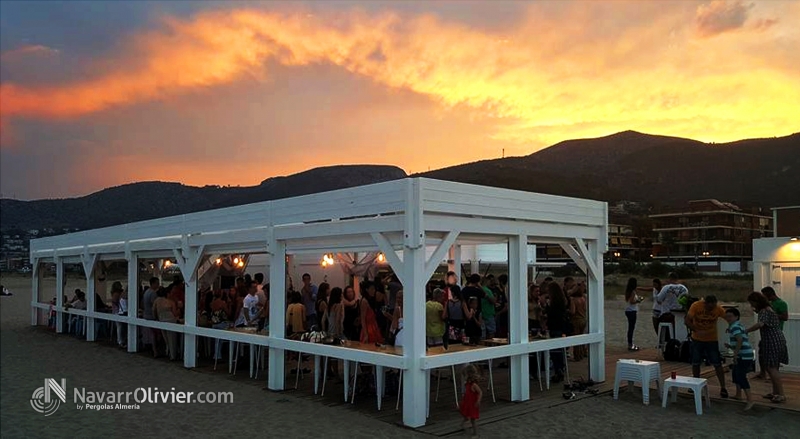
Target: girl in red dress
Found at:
471, 402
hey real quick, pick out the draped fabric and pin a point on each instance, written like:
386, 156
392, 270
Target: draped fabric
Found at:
365, 267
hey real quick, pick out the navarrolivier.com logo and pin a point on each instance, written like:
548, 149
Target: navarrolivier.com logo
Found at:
43, 402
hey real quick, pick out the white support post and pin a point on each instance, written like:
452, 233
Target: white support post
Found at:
454, 261
597, 351
189, 259
89, 264
59, 294
277, 312
133, 300
415, 396
35, 293
518, 314
415, 388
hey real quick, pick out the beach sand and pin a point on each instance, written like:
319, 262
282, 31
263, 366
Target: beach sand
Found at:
29, 355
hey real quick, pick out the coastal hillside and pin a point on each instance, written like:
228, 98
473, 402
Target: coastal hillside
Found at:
659, 171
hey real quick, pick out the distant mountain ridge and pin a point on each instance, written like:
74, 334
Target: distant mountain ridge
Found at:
656, 170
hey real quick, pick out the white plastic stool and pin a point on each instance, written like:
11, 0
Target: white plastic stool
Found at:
662, 337
698, 385
638, 371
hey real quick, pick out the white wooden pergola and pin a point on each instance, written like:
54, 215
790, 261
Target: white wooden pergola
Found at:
402, 219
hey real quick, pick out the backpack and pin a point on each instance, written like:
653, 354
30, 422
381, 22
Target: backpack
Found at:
672, 350
686, 352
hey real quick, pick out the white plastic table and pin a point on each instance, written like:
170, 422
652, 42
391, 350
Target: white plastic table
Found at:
698, 385
638, 371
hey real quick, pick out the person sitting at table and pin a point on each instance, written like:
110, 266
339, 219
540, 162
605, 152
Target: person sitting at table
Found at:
352, 314
295, 315
166, 310
434, 318
473, 321
370, 331
78, 302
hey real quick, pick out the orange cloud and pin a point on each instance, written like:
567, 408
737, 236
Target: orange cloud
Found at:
550, 79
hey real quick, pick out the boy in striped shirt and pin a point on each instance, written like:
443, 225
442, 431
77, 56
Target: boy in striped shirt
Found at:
743, 355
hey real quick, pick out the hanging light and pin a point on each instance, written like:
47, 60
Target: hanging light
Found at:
240, 264
381, 257
236, 261
167, 263
218, 261
327, 260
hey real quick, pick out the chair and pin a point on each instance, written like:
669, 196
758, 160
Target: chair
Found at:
665, 333
637, 371
698, 385
547, 367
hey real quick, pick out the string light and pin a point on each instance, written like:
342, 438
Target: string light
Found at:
236, 261
240, 264
381, 257
167, 263
327, 260
219, 261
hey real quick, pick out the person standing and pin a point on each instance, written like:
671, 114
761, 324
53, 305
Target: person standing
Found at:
773, 351
309, 294
702, 320
556, 320
632, 301
668, 300
656, 307
742, 356
781, 308
577, 312
488, 310
149, 336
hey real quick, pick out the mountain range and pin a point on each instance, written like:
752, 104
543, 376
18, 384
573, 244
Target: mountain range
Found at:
658, 171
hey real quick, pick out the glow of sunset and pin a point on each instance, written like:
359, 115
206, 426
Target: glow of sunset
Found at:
718, 71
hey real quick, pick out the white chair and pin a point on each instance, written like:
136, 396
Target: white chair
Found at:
637, 371
698, 385
666, 332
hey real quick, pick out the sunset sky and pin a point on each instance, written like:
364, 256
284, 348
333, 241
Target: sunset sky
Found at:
97, 94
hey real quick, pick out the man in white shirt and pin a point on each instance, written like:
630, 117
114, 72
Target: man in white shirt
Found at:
250, 308
668, 299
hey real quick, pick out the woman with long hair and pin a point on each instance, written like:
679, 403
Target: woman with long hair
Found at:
774, 351
370, 331
631, 310
321, 306
352, 322
577, 312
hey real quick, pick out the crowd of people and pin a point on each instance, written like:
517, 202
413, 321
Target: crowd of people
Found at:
701, 321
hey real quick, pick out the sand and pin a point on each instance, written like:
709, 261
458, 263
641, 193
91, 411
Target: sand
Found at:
29, 355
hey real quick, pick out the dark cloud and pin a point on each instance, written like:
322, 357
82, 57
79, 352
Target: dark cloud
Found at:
721, 16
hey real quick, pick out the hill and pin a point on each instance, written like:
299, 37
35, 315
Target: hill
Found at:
147, 200
656, 170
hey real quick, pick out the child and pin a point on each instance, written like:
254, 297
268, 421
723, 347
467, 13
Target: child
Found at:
742, 355
471, 402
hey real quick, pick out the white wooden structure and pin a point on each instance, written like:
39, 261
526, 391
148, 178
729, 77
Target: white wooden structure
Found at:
403, 219
776, 263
